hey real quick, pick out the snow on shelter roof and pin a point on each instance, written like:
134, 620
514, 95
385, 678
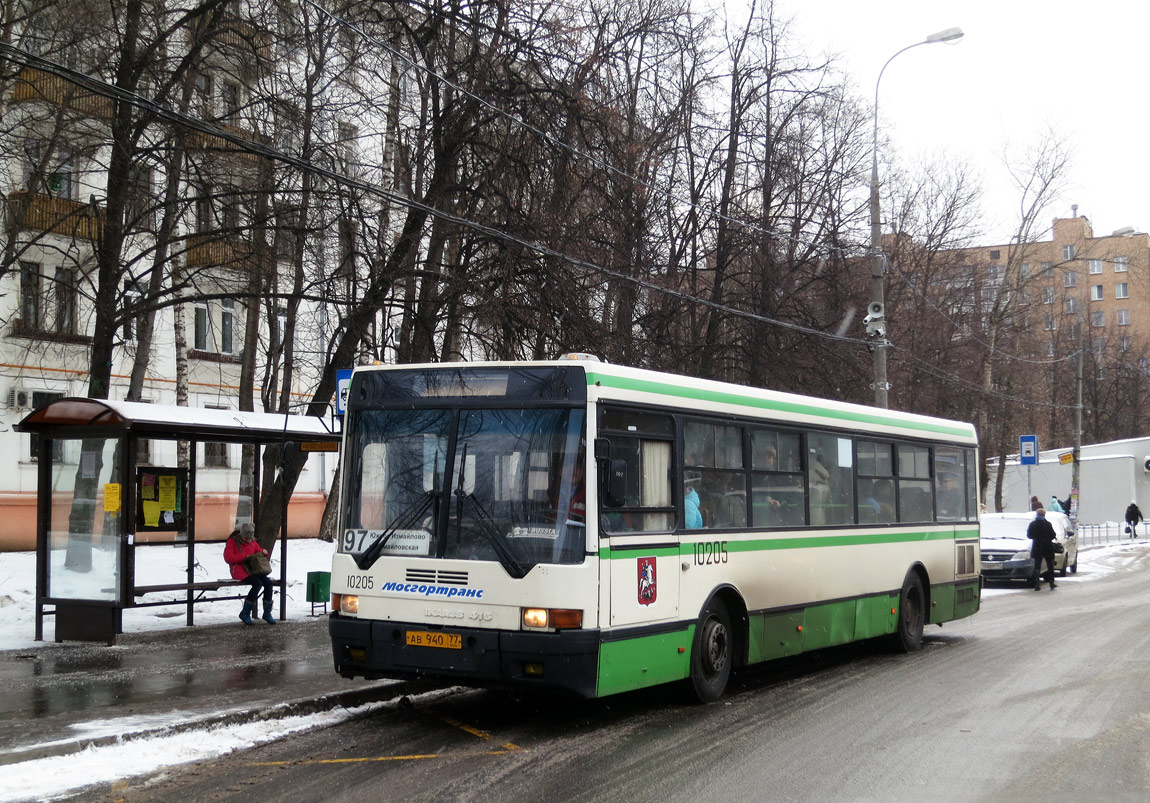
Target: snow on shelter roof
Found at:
78, 417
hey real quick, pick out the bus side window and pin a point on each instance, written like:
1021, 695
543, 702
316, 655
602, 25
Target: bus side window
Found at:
645, 482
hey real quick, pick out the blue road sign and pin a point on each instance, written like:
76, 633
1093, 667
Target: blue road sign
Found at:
1028, 450
342, 388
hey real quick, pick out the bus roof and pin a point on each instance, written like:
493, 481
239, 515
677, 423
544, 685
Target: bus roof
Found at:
644, 386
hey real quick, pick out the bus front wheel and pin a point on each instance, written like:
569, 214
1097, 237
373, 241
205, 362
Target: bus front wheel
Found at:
911, 615
712, 653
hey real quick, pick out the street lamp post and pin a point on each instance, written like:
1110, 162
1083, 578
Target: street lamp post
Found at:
876, 310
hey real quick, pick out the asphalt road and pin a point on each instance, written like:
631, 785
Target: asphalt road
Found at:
1041, 696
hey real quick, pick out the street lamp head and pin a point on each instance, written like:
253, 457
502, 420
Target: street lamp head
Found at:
948, 35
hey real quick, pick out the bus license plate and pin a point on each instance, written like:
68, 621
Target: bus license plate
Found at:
424, 638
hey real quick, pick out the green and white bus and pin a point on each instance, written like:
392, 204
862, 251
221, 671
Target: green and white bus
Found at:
595, 528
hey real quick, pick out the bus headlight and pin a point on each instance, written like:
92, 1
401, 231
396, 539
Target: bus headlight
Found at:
348, 603
556, 618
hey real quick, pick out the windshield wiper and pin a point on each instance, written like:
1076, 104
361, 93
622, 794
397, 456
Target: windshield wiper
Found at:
490, 531
487, 527
408, 517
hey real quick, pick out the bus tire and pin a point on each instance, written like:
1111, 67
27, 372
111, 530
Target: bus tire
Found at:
911, 615
712, 653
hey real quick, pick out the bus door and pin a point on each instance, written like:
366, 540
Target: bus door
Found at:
637, 521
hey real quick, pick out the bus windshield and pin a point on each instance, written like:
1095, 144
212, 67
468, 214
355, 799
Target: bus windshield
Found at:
502, 484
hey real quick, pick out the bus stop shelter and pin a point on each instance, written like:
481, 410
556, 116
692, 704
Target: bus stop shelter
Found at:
110, 473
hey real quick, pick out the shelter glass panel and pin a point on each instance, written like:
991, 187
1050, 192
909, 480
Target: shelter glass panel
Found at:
86, 522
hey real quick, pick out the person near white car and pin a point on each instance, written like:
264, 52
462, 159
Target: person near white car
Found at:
1042, 536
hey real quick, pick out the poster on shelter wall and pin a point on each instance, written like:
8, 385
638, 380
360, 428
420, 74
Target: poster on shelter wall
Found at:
161, 499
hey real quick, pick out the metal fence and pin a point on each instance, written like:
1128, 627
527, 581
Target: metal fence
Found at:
1109, 533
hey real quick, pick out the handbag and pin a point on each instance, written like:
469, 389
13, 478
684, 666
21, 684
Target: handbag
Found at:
258, 564
1055, 545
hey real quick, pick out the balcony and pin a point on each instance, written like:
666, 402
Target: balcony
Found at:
208, 250
36, 86
199, 140
66, 218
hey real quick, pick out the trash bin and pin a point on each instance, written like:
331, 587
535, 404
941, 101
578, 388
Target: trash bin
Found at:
318, 589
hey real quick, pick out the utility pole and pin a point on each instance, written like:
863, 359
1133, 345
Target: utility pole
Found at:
1077, 432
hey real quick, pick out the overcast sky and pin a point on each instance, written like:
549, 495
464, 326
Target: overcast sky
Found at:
1023, 67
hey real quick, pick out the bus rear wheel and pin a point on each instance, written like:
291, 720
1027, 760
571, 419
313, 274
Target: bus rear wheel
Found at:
712, 653
911, 615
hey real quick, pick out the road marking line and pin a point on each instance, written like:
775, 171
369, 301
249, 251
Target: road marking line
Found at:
455, 723
342, 760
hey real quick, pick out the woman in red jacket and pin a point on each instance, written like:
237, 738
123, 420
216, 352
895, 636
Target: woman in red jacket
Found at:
241, 545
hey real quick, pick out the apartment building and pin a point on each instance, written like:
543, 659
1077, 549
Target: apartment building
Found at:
1077, 284
213, 239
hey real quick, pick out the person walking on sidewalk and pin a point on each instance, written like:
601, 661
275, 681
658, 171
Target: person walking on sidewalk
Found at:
249, 563
1041, 535
1133, 516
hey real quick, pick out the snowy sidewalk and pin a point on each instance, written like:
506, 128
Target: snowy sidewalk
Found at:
163, 677
63, 698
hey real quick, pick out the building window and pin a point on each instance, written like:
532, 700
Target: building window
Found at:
286, 233
215, 454
64, 301
1069, 279
1124, 344
230, 98
134, 292
40, 398
1048, 295
1122, 317
48, 173
232, 215
1045, 268
1024, 270
1050, 323
1071, 305
995, 275
279, 328
140, 209
203, 209
203, 94
346, 142
202, 329
1098, 318
1049, 349
227, 325
1095, 292
1096, 266
995, 254
30, 294
1122, 290
1067, 253
1099, 345
1120, 264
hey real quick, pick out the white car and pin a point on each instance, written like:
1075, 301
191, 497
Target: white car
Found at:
1005, 549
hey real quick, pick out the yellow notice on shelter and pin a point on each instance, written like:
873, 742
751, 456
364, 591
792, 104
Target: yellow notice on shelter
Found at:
1066, 457
112, 497
167, 492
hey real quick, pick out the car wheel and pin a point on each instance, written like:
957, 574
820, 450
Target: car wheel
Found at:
1074, 566
1065, 564
911, 615
712, 653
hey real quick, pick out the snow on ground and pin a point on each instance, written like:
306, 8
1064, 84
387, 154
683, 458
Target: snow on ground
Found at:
62, 776
157, 564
